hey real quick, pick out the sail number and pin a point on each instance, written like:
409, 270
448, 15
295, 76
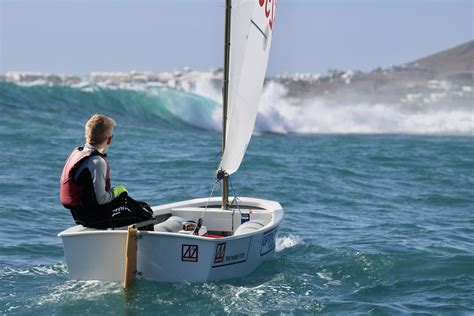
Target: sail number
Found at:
269, 7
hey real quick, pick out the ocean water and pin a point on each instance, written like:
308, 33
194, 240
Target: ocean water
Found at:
377, 222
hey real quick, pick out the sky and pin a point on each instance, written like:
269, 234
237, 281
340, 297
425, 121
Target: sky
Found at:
310, 36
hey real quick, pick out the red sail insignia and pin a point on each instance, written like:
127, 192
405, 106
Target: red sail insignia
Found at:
269, 7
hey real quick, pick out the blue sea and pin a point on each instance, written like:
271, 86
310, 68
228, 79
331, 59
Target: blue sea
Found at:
378, 223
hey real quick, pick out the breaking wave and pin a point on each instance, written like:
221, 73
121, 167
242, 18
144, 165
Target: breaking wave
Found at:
142, 103
283, 115
201, 108
320, 116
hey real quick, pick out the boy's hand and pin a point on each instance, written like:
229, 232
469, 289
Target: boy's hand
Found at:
118, 190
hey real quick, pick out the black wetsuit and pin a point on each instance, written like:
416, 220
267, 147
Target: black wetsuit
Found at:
99, 208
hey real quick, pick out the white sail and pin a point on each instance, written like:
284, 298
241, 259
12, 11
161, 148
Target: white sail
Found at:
251, 36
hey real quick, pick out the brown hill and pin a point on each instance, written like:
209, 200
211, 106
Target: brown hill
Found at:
454, 62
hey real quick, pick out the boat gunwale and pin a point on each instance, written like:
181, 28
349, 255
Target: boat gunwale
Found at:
274, 222
271, 225
266, 205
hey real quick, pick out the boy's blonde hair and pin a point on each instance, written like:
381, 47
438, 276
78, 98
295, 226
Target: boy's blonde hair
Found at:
98, 129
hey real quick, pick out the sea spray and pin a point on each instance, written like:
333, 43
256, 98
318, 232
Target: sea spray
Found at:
281, 114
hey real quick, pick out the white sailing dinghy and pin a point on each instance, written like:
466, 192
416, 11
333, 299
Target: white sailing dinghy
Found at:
209, 238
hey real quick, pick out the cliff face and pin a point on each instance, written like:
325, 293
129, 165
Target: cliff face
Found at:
451, 63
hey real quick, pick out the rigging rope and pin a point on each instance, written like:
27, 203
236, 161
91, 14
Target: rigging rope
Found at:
199, 222
236, 199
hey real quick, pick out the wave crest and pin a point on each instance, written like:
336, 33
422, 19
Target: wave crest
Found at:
201, 108
281, 114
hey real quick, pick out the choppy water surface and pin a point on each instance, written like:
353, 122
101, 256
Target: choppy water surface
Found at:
374, 223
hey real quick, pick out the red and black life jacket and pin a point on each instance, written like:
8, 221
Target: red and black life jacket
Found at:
70, 191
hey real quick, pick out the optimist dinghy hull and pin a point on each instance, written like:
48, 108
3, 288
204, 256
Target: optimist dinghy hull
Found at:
236, 243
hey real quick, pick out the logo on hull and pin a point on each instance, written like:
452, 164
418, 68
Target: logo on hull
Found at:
220, 253
189, 253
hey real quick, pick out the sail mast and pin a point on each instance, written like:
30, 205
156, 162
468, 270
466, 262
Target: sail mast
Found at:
225, 95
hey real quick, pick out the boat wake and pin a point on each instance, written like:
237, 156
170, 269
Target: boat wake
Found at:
284, 242
38, 270
73, 290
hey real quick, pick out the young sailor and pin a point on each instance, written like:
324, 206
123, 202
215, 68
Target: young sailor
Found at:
85, 183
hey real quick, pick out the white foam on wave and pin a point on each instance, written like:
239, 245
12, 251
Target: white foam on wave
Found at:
277, 114
58, 268
205, 87
289, 241
192, 109
79, 290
